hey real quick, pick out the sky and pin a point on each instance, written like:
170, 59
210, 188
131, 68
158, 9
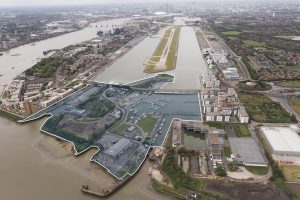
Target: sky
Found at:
9, 3
17, 3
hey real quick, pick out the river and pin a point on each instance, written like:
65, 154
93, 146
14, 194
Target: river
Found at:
11, 65
35, 166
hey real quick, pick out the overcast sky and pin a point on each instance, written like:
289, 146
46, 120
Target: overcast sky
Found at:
8, 3
13, 3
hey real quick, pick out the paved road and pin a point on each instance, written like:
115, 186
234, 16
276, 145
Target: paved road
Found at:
238, 59
252, 128
285, 104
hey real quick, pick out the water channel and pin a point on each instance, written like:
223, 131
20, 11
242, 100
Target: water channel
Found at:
189, 67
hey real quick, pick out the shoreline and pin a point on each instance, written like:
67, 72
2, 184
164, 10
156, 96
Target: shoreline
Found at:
33, 42
61, 153
55, 35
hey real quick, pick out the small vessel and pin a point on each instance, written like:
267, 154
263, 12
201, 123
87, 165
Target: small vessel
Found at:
150, 171
16, 54
12, 67
33, 44
1, 54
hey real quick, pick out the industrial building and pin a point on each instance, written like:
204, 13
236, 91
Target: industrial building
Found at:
283, 140
117, 149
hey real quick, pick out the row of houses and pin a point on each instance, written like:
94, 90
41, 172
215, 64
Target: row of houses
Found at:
220, 105
26, 99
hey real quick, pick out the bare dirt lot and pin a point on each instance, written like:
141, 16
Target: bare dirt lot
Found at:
245, 191
84, 129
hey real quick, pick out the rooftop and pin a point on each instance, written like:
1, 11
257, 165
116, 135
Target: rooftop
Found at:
283, 139
117, 147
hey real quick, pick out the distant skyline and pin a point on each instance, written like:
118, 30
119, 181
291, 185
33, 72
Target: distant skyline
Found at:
28, 3
17, 3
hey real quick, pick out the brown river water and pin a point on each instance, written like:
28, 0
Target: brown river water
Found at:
35, 166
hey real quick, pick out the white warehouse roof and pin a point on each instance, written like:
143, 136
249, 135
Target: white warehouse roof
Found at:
283, 140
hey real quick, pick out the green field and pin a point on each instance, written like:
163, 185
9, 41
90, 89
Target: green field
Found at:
231, 33
120, 128
178, 193
295, 68
257, 170
252, 43
241, 130
147, 124
97, 107
227, 151
289, 83
291, 172
233, 38
171, 58
295, 103
262, 109
45, 68
161, 46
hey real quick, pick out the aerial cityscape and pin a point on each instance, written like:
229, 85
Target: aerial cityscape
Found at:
171, 99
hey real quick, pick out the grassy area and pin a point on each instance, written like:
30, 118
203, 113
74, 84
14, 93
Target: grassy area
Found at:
168, 190
291, 172
232, 38
120, 128
262, 109
147, 124
231, 33
241, 130
97, 107
227, 151
257, 170
251, 71
171, 58
9, 115
45, 68
295, 103
176, 174
293, 68
289, 83
253, 44
182, 181
159, 50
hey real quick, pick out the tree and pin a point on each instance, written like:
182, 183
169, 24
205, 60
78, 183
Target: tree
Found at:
220, 171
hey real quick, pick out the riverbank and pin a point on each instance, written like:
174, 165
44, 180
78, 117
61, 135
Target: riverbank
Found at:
10, 66
61, 152
9, 115
53, 172
53, 35
3, 50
